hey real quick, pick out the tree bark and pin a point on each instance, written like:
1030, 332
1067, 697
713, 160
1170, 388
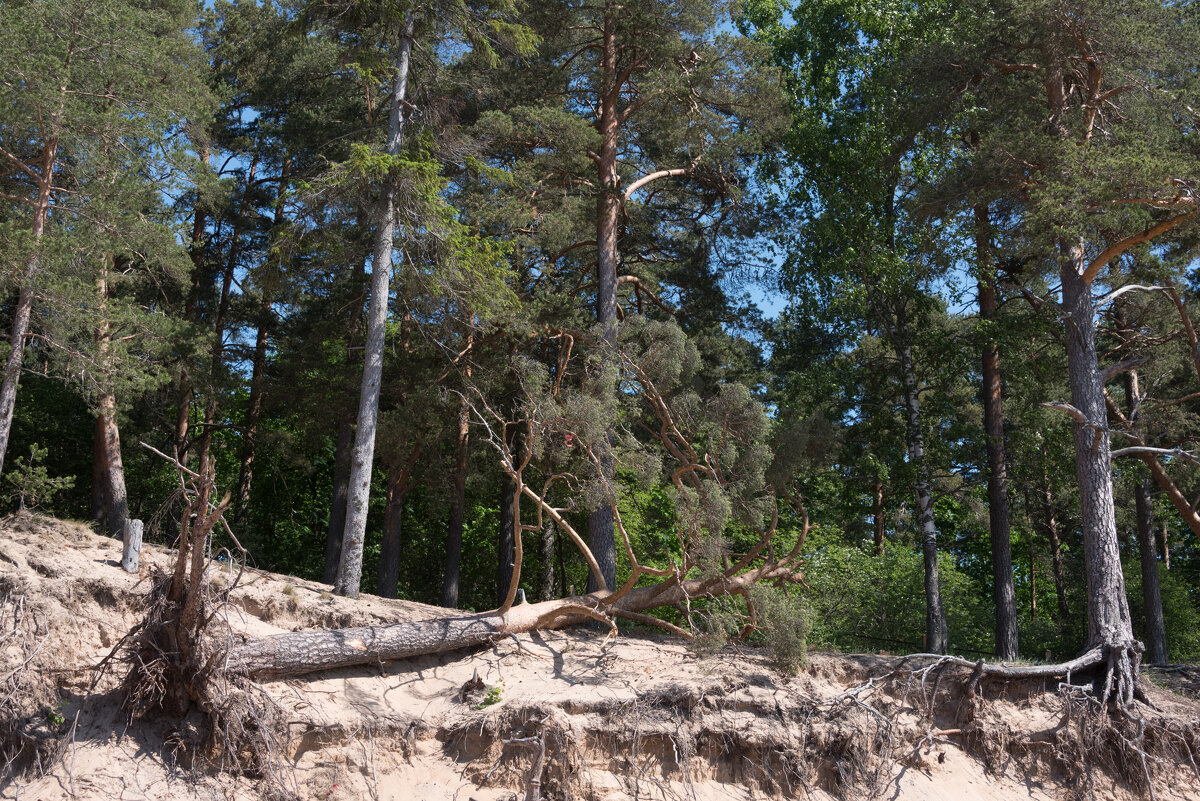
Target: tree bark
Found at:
546, 578
344, 450
877, 518
1156, 633
116, 503
337, 508
1003, 592
1156, 636
1032, 583
936, 635
458, 505
253, 413
1164, 546
399, 480
389, 548
21, 314
601, 536
302, 652
1056, 562
349, 575
131, 549
505, 550
1109, 623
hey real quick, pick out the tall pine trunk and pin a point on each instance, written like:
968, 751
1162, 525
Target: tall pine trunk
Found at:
344, 448
506, 546
880, 525
399, 480
343, 451
1164, 546
1050, 519
259, 366
1109, 623
116, 502
601, 538
546, 577
349, 574
936, 637
1156, 635
21, 314
253, 413
458, 505
1003, 592
389, 548
110, 466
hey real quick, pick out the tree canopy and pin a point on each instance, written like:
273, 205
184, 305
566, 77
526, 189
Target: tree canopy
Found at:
886, 308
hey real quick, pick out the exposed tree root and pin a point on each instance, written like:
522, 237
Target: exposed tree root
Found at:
174, 659
1101, 725
184, 657
1117, 683
851, 745
31, 719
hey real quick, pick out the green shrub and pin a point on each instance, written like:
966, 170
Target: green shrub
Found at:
32, 483
785, 622
716, 622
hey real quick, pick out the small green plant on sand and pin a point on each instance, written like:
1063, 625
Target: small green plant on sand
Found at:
492, 697
55, 717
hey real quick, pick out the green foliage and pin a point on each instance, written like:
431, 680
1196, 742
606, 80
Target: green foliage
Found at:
492, 698
32, 483
785, 620
860, 600
1181, 611
715, 624
55, 717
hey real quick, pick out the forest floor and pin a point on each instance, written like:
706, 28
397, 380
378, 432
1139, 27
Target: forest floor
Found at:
636, 717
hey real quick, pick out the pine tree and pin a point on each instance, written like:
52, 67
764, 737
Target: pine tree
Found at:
629, 131
91, 84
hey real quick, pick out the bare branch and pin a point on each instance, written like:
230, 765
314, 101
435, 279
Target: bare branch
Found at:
1108, 373
1111, 296
1122, 245
654, 176
1005, 69
1140, 450
1186, 319
1067, 408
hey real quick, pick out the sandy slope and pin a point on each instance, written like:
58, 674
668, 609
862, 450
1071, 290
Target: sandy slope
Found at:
639, 717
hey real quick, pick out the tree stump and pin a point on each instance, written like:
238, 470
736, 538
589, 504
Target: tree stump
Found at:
133, 545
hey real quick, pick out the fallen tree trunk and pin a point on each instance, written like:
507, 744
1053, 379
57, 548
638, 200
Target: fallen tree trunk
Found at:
301, 652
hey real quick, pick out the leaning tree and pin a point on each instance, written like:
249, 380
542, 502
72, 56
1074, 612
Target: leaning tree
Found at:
733, 529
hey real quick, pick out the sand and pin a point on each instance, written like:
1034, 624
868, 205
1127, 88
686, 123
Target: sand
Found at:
636, 717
